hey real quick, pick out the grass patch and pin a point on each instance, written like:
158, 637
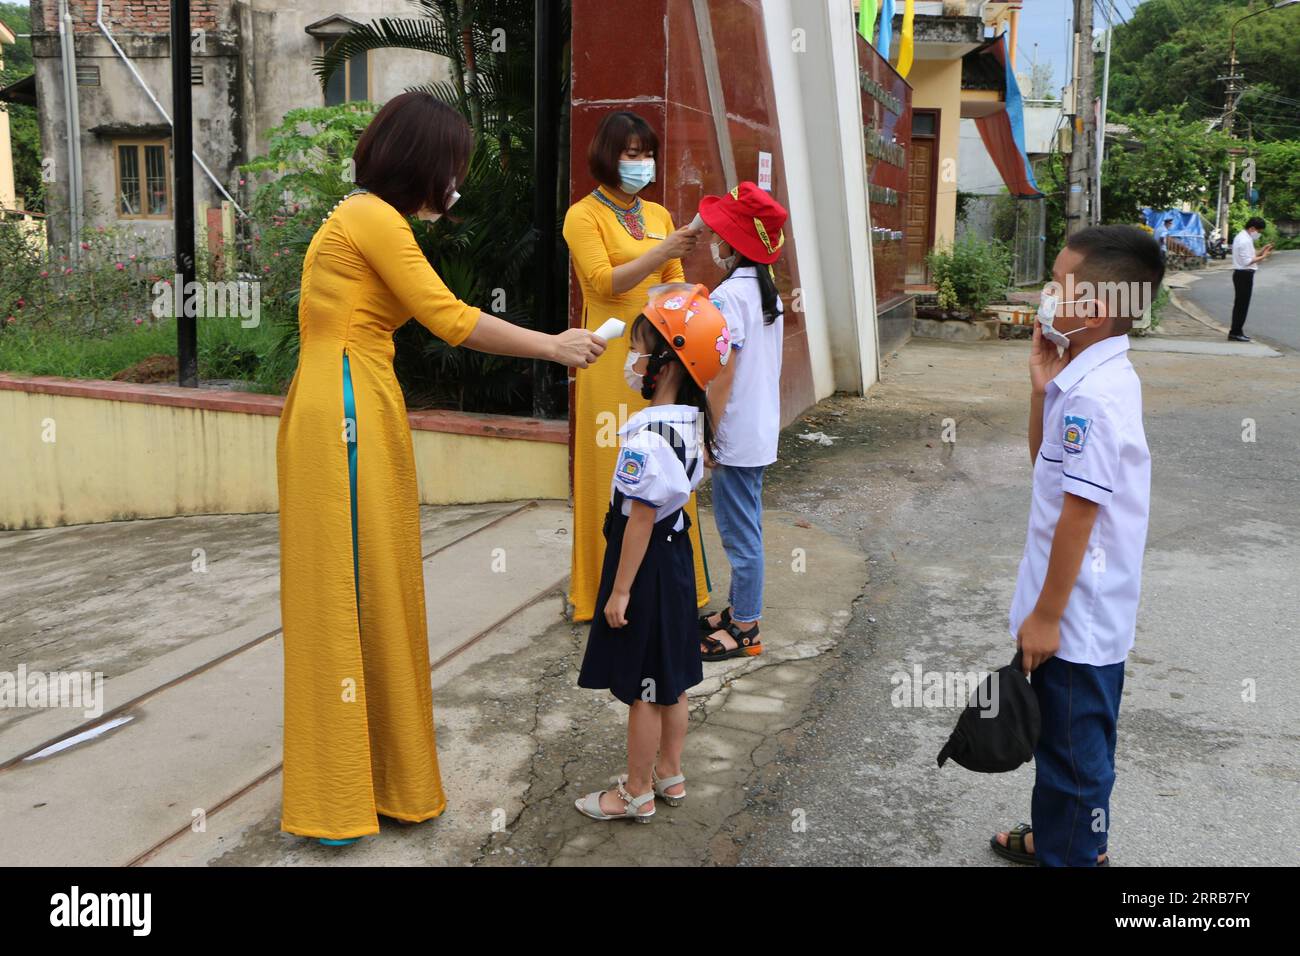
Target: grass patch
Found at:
226, 351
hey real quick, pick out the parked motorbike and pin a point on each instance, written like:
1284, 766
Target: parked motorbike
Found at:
1214, 246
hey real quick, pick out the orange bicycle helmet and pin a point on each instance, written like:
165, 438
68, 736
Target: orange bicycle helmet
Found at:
693, 328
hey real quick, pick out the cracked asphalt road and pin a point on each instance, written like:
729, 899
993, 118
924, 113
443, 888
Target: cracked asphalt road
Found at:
1207, 758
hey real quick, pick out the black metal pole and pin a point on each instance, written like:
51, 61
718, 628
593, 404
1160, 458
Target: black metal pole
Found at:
546, 120
187, 338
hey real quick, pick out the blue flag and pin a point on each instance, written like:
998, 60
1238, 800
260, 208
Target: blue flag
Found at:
886, 27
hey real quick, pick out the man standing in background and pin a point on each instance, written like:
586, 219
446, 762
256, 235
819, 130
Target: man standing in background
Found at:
1244, 263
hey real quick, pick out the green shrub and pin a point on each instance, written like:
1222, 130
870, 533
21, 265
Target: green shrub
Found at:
976, 271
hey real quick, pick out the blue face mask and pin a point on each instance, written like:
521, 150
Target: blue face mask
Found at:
636, 174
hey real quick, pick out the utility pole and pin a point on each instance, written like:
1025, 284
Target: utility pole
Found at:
1225, 176
1101, 130
1079, 193
187, 336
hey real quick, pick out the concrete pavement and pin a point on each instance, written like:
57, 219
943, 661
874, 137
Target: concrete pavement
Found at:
182, 766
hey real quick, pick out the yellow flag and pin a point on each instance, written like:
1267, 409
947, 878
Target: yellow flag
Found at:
905, 41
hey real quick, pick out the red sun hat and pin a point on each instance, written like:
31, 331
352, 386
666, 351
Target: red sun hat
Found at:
750, 221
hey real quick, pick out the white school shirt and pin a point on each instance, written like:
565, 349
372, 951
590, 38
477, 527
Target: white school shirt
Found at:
1093, 446
751, 423
647, 469
1243, 252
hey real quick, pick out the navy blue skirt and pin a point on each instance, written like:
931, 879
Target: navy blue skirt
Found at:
656, 656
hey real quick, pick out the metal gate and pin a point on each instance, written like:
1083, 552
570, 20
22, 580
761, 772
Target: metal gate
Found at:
1020, 223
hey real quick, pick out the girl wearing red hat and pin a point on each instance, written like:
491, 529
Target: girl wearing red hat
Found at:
748, 236
642, 646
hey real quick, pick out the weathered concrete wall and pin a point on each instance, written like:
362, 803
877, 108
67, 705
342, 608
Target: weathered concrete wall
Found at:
256, 59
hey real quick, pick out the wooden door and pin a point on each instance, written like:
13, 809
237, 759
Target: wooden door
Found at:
918, 223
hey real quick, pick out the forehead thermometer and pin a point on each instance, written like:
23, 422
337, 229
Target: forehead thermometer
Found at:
612, 329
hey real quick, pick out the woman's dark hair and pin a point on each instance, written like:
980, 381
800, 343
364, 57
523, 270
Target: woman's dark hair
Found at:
611, 139
414, 153
661, 354
766, 286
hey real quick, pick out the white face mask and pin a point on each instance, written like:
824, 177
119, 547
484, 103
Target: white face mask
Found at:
634, 379
1047, 306
435, 216
635, 174
724, 264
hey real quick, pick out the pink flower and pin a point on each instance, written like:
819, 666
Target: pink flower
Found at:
241, 182
139, 321
44, 274
21, 303
85, 245
266, 268
133, 257
10, 321
68, 271
119, 266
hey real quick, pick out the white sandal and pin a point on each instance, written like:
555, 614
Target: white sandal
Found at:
590, 805
661, 785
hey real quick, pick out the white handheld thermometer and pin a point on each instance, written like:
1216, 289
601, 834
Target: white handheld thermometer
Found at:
612, 329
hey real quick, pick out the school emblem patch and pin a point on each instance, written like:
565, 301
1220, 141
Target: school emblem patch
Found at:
1076, 433
631, 466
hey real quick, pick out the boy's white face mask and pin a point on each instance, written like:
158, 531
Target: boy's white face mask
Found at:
1047, 306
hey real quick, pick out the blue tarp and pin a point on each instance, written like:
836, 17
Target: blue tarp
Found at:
1187, 227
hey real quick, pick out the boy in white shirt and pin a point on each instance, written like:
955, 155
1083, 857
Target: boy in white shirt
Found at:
1074, 613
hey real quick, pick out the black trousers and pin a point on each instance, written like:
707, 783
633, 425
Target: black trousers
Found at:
1243, 283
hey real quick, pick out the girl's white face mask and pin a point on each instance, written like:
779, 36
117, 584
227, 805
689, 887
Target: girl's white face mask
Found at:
633, 378
723, 263
1047, 307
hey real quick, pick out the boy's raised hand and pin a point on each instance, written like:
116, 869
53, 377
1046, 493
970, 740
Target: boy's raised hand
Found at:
1045, 362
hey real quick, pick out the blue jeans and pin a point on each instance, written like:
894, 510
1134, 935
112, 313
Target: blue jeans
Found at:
1075, 760
738, 513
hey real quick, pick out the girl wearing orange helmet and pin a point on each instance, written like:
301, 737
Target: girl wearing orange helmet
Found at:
643, 646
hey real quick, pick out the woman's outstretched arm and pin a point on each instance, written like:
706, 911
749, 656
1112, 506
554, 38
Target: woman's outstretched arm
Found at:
576, 348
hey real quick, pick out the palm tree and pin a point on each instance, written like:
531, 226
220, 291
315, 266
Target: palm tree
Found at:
486, 254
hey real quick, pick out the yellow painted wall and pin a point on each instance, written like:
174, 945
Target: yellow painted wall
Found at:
119, 460
936, 84
6, 151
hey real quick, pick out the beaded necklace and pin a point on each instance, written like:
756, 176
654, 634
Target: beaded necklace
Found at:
632, 219
356, 192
